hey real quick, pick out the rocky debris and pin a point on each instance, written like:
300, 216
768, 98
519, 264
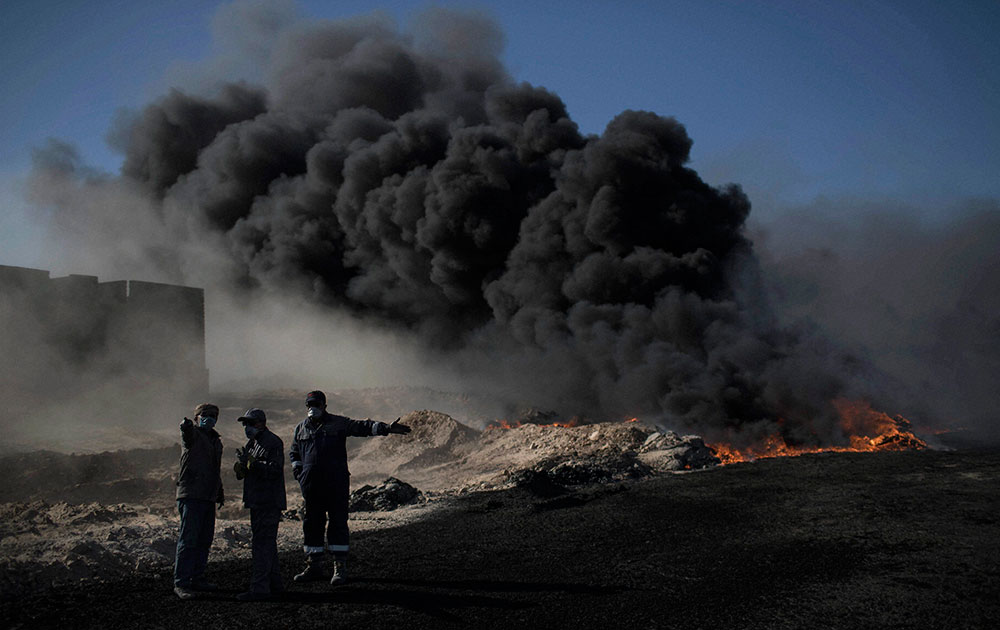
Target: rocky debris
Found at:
537, 482
443, 454
388, 495
236, 535
599, 470
43, 545
671, 452
550, 478
440, 454
19, 518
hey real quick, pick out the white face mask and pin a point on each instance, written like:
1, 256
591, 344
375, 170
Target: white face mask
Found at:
315, 412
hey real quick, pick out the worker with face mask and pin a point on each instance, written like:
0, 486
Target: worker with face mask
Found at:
199, 489
319, 463
260, 464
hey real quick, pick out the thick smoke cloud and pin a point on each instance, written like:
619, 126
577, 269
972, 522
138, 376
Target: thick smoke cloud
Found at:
405, 178
918, 298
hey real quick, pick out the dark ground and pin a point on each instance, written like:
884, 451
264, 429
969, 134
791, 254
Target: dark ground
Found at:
887, 540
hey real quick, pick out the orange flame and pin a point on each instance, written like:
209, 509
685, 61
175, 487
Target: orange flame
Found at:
867, 430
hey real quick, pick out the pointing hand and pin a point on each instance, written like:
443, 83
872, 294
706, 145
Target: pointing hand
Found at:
396, 427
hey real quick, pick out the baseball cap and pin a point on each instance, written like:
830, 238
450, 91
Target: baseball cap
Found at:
314, 398
253, 414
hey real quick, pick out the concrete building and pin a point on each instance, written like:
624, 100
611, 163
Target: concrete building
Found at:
75, 338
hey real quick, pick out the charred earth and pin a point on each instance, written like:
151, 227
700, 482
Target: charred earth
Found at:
547, 526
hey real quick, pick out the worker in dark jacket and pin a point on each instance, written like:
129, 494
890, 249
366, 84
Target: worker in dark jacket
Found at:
260, 464
199, 488
319, 463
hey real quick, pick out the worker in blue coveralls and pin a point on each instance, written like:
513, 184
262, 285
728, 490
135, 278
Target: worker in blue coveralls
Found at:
319, 462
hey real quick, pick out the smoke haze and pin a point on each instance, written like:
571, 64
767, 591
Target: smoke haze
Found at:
919, 298
392, 205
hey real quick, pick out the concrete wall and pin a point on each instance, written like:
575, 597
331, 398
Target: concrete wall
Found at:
76, 337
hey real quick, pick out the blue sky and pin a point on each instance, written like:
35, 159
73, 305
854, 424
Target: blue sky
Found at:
794, 100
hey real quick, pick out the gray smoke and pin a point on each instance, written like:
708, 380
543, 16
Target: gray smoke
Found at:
918, 298
407, 179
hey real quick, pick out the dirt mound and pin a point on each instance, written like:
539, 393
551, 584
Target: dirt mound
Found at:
669, 451
594, 453
388, 495
442, 453
48, 545
435, 444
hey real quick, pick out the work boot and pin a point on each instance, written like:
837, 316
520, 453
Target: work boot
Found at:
339, 572
185, 592
314, 569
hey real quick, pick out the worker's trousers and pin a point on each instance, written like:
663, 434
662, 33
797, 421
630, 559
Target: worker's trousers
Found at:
194, 540
264, 547
326, 508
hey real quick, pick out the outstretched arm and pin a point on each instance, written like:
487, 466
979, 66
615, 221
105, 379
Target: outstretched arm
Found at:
187, 432
364, 428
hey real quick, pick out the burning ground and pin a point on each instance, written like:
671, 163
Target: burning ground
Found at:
538, 523
891, 539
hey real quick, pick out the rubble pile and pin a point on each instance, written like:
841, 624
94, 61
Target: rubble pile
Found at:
443, 454
669, 451
598, 470
43, 545
388, 495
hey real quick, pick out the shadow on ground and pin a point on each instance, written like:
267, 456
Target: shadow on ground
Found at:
890, 540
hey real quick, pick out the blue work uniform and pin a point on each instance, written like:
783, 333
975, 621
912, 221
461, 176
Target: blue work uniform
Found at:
319, 446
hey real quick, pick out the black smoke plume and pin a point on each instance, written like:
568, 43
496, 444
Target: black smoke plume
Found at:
407, 178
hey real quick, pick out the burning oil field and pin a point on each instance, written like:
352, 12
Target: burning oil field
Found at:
621, 410
534, 519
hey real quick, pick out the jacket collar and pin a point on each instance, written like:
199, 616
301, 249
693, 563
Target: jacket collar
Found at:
212, 433
320, 420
